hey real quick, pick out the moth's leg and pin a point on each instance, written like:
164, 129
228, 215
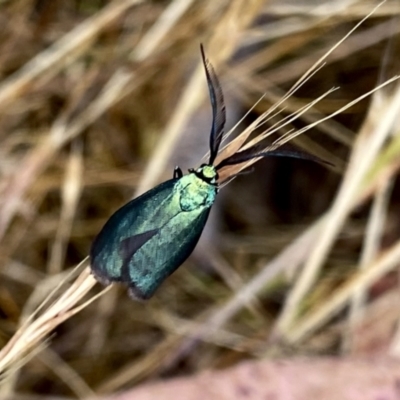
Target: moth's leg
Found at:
177, 173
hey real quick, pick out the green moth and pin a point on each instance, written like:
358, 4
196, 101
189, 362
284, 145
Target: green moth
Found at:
147, 239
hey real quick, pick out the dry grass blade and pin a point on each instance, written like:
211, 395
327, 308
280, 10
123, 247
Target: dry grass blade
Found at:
160, 29
236, 144
239, 14
332, 305
372, 244
49, 62
35, 330
375, 131
356, 43
71, 191
61, 133
289, 136
291, 257
89, 89
68, 375
239, 142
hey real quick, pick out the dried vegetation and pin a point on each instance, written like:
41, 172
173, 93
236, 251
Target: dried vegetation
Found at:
98, 101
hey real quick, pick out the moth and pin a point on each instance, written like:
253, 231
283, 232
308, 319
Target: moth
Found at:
147, 239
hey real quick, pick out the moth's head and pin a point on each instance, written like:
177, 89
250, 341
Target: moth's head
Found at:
207, 173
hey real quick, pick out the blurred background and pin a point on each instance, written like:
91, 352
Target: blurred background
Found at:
99, 100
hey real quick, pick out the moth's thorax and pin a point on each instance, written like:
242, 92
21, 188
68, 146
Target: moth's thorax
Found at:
195, 193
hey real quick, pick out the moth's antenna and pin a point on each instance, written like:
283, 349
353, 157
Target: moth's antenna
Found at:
218, 107
260, 151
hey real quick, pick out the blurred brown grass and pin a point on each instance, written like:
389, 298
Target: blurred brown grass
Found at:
99, 100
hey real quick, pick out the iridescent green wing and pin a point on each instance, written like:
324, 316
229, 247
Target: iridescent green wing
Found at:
138, 221
164, 252
151, 236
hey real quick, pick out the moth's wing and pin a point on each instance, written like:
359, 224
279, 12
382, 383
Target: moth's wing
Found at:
161, 255
129, 246
128, 229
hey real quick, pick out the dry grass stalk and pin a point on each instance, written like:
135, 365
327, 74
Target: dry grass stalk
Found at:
36, 328
238, 15
61, 310
364, 279
372, 244
43, 67
369, 142
71, 192
162, 38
